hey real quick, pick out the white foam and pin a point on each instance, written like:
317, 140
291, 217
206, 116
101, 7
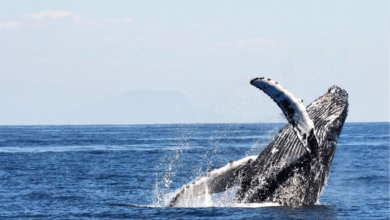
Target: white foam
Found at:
224, 199
256, 205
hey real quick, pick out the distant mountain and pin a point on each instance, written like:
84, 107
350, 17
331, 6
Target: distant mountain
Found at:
139, 107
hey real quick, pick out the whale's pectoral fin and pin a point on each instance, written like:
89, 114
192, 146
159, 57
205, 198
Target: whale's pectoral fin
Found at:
216, 181
293, 109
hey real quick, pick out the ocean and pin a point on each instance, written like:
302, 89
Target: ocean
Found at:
130, 171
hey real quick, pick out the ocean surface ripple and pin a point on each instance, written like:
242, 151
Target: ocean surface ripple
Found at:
129, 172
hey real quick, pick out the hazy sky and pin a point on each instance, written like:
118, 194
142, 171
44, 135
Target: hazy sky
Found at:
60, 58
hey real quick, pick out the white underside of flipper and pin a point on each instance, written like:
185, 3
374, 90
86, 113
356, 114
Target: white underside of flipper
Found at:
292, 108
215, 181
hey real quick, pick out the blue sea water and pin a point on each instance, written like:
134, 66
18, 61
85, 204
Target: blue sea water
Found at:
128, 171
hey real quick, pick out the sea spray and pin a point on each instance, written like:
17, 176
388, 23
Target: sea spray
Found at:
174, 161
262, 142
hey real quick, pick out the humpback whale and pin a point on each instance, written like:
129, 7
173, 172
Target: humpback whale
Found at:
294, 167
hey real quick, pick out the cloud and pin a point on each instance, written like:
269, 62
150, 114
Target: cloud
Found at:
34, 20
49, 14
7, 25
52, 19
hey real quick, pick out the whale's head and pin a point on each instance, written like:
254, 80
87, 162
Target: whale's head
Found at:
328, 113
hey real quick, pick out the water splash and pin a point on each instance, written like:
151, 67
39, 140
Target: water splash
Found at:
175, 159
262, 142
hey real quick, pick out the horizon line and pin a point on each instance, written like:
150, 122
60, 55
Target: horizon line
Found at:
197, 123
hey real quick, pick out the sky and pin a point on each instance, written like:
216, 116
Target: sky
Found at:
152, 62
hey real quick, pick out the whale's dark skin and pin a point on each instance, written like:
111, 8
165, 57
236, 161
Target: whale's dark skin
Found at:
300, 181
295, 165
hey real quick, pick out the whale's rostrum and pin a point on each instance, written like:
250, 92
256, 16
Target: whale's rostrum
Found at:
295, 165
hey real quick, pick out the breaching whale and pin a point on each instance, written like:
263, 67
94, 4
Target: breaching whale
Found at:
295, 165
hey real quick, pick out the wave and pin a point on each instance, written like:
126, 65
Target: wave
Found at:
41, 149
